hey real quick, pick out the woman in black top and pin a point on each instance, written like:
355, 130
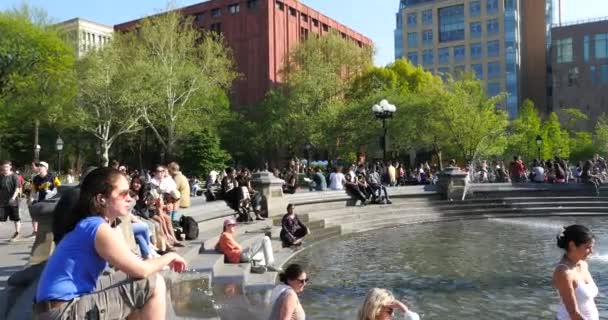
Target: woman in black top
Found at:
293, 230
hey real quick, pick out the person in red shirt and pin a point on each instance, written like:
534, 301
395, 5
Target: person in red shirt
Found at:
234, 253
518, 170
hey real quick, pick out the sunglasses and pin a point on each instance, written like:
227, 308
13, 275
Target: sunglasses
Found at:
302, 281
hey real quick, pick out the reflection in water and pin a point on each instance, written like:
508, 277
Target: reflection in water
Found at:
480, 269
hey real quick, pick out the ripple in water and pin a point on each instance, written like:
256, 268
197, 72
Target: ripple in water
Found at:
480, 269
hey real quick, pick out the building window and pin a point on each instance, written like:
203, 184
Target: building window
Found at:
444, 55
412, 39
303, 33
604, 73
325, 28
475, 8
493, 70
315, 22
459, 70
592, 74
304, 17
412, 20
586, 48
293, 12
564, 50
451, 23
279, 5
443, 73
427, 37
427, 57
493, 48
493, 89
413, 57
427, 17
200, 17
216, 27
234, 8
492, 26
601, 46
476, 51
252, 4
491, 6
216, 12
459, 53
478, 69
475, 29
510, 5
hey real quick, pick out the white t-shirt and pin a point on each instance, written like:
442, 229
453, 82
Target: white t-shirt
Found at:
335, 181
539, 174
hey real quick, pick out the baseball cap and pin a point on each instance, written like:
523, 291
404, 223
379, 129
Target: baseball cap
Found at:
228, 222
43, 164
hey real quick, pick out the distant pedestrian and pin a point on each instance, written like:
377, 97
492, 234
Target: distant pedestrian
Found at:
44, 187
9, 191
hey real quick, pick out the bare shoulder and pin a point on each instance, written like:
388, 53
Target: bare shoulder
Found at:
562, 273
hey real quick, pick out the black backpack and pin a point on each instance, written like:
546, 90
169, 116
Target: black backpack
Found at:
189, 227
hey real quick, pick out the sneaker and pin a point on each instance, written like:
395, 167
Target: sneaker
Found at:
33, 235
389, 202
15, 237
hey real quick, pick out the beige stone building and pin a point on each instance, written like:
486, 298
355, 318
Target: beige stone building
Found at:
86, 35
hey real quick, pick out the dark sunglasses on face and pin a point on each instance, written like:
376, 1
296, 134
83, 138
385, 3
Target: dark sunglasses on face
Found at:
302, 281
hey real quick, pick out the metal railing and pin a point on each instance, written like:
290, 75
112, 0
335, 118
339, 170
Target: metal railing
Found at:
583, 21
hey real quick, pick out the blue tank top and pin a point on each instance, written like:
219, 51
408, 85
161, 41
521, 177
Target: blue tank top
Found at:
74, 267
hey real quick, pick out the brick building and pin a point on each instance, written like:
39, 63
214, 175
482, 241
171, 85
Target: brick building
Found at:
260, 33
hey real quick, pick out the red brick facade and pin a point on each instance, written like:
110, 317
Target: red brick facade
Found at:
260, 33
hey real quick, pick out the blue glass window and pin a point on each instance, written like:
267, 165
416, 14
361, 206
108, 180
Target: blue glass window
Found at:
443, 73
493, 89
564, 50
476, 51
586, 48
601, 46
427, 37
478, 69
451, 23
427, 57
427, 17
459, 53
412, 39
493, 48
492, 26
604, 72
444, 55
413, 57
491, 6
510, 5
412, 20
475, 29
475, 8
493, 70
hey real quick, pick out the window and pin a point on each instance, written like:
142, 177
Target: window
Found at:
412, 20
293, 12
216, 12
510, 5
475, 29
427, 37
478, 69
475, 8
476, 51
427, 17
427, 57
459, 70
592, 74
491, 6
200, 17
604, 73
601, 46
564, 50
234, 8
492, 27
493, 70
304, 17
279, 5
315, 22
413, 58
412, 39
444, 55
451, 23
459, 53
252, 4
493, 89
493, 48
325, 27
216, 27
303, 33
444, 73
586, 48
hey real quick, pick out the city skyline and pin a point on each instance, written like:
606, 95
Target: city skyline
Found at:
377, 24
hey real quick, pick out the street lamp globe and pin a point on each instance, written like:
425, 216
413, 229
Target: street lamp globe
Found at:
539, 140
37, 147
376, 108
59, 144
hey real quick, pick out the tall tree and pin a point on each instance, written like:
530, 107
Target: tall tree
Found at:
524, 130
601, 134
186, 74
555, 139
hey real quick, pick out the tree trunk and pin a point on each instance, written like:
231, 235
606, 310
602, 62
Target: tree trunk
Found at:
105, 153
36, 150
439, 158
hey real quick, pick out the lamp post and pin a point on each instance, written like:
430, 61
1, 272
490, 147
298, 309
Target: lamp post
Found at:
37, 153
384, 110
59, 147
539, 142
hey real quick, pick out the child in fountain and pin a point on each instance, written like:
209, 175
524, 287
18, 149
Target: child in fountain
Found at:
380, 304
572, 278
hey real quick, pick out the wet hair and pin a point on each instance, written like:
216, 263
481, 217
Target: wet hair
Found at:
292, 272
290, 206
98, 181
577, 233
375, 299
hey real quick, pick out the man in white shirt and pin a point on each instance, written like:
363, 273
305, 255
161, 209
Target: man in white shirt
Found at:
336, 179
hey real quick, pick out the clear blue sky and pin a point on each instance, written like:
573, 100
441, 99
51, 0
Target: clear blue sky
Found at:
373, 18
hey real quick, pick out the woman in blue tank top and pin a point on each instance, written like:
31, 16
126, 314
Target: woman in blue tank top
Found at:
72, 285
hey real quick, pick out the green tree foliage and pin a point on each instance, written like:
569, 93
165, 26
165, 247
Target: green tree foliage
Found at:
524, 130
555, 139
202, 153
185, 75
601, 134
